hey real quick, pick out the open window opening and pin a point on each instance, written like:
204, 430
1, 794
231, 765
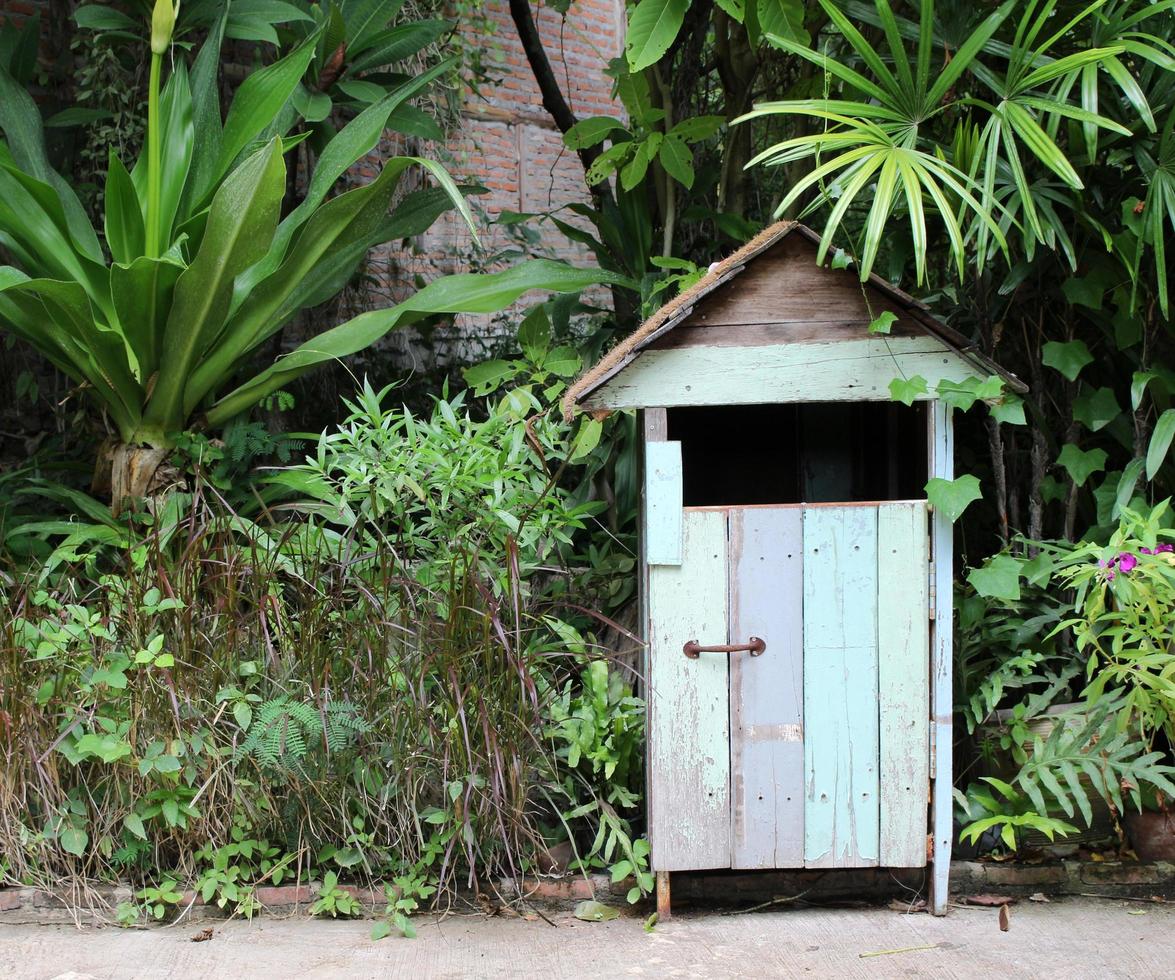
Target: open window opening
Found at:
826, 452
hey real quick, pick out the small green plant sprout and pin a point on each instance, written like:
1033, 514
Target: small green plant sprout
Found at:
158, 900
153, 656
404, 896
127, 914
335, 901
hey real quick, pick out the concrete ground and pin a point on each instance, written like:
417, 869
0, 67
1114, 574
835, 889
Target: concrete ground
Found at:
1067, 938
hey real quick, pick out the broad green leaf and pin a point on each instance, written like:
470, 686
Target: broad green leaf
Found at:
74, 840
1068, 358
652, 27
124, 214
1138, 386
256, 105
586, 439
1009, 410
178, 140
1156, 453
782, 18
241, 223
463, 293
883, 322
697, 128
485, 377
142, 294
1081, 464
381, 930
952, 497
998, 579
592, 911
398, 43
134, 823
590, 131
1126, 485
677, 159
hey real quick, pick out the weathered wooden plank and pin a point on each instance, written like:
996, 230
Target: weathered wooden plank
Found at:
840, 688
942, 464
766, 692
903, 681
848, 370
785, 283
663, 502
689, 720
693, 334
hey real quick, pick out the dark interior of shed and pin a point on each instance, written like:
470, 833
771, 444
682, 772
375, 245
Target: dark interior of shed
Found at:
806, 453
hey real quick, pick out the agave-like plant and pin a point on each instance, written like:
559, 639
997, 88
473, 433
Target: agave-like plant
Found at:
199, 267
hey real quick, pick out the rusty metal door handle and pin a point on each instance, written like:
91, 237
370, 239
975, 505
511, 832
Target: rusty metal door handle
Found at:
754, 647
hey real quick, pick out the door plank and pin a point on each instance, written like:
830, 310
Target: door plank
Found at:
903, 641
663, 502
841, 815
689, 714
766, 692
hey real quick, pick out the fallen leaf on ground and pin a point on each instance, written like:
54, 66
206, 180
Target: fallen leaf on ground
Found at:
993, 901
1039, 897
901, 949
202, 936
591, 911
1136, 912
1005, 918
901, 905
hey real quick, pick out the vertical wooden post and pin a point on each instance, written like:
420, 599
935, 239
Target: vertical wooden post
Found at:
942, 465
664, 910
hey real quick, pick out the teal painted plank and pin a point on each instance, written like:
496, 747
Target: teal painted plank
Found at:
766, 692
689, 722
663, 503
841, 815
903, 640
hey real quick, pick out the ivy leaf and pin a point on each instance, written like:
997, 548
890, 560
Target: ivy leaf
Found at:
1009, 409
907, 390
884, 322
1097, 409
1156, 452
1081, 464
952, 497
653, 26
1068, 358
998, 579
590, 131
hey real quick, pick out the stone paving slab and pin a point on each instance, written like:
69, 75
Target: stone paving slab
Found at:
1068, 939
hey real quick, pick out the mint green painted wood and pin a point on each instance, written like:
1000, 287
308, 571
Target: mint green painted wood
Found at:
903, 642
689, 723
663, 503
814, 371
841, 814
766, 692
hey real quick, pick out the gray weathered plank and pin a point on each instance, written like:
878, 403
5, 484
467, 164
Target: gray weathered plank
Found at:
766, 692
903, 650
942, 464
689, 721
841, 816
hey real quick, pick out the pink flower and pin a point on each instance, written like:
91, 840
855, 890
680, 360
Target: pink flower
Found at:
1126, 561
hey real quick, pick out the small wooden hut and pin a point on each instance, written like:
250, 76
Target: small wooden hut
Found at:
796, 585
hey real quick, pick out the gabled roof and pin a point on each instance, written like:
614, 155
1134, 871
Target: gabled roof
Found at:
679, 309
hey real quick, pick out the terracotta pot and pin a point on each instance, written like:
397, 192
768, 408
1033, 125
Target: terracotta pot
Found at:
1152, 834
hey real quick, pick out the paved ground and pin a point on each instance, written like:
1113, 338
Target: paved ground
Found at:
1069, 938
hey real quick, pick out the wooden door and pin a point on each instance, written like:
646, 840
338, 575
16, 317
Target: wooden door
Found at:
814, 754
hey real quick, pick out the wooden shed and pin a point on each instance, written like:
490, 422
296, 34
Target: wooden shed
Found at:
796, 585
